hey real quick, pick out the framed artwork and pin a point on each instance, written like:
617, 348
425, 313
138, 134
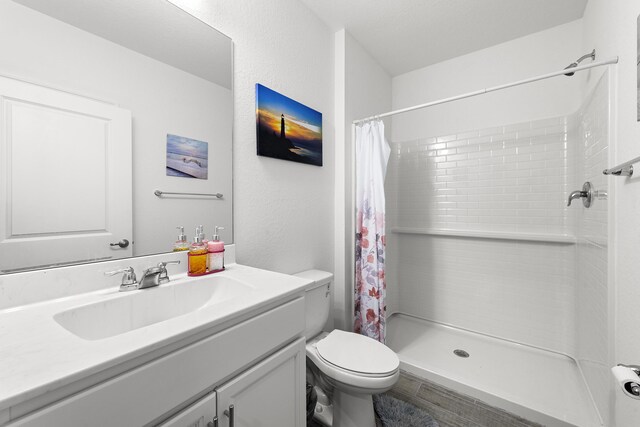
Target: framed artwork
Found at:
287, 129
186, 157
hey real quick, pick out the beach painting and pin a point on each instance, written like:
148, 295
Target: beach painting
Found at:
186, 157
287, 129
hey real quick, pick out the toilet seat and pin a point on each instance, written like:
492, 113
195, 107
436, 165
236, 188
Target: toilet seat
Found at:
357, 354
353, 380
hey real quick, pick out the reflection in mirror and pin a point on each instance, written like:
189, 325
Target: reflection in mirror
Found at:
102, 103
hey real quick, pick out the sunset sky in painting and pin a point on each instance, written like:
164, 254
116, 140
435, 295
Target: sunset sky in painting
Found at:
301, 122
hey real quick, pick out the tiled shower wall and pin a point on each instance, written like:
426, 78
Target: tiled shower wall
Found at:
509, 179
466, 211
592, 307
508, 270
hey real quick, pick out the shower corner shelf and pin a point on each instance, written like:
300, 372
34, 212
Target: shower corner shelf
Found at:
492, 235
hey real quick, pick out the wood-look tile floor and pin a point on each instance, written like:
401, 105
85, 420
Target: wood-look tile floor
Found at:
452, 409
449, 408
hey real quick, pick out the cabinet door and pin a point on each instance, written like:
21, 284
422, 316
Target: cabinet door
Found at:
272, 393
200, 414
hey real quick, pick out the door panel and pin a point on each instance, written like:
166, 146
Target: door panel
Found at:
271, 393
200, 414
55, 204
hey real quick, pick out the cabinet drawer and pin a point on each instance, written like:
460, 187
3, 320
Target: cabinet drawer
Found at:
143, 394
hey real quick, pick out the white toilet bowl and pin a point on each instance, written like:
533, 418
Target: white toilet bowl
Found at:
356, 366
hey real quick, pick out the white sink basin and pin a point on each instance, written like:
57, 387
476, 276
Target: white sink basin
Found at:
132, 310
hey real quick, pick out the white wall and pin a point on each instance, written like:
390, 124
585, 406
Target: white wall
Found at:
518, 59
610, 28
283, 211
162, 99
363, 88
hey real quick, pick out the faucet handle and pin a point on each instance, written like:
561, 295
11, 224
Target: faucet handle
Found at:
164, 276
586, 195
129, 280
163, 264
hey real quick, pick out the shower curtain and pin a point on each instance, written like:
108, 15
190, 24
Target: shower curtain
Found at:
372, 155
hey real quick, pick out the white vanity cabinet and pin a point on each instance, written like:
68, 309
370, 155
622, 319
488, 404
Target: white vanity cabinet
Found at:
257, 365
271, 393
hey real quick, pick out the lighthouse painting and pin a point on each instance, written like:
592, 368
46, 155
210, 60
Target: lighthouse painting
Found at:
287, 129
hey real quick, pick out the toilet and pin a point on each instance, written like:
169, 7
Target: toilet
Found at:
356, 366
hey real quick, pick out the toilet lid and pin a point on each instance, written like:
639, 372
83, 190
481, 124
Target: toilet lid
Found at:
357, 353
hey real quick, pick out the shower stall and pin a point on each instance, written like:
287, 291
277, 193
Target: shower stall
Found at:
495, 287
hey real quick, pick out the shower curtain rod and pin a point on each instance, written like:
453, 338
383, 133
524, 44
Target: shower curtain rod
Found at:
613, 60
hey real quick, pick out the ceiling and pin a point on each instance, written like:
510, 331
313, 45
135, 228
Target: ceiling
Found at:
404, 35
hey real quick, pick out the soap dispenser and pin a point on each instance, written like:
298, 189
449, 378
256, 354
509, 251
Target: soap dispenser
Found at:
215, 252
201, 235
181, 244
197, 255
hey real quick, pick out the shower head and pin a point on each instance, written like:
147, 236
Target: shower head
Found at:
591, 55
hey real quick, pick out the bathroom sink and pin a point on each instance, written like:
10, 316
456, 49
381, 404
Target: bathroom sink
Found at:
136, 309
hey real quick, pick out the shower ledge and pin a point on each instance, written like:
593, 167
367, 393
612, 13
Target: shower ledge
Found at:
493, 235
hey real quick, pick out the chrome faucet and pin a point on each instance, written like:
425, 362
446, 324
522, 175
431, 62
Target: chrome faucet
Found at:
154, 276
129, 281
575, 195
586, 194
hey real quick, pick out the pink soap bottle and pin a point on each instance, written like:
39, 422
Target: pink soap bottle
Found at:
215, 253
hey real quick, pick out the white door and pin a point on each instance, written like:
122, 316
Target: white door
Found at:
272, 393
65, 178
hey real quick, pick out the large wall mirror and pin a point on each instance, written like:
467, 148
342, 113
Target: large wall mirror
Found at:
115, 128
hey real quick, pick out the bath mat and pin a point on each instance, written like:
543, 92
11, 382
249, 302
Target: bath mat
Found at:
396, 413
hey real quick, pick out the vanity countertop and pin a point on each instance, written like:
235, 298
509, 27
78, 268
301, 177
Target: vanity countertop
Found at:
38, 355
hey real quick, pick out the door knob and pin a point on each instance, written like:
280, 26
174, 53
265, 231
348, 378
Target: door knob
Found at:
122, 243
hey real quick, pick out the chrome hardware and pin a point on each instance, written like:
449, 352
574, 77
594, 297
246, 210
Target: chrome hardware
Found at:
159, 193
586, 195
229, 413
623, 169
122, 243
164, 276
632, 387
129, 281
151, 277
213, 422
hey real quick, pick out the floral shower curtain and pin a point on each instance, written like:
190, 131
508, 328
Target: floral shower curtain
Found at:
372, 155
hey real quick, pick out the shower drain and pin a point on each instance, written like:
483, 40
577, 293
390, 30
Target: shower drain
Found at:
460, 353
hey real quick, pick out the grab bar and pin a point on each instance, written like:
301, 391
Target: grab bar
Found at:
163, 193
623, 169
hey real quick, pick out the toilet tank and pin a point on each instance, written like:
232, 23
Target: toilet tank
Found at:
317, 301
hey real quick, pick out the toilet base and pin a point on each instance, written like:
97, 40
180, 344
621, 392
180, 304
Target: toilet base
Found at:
352, 410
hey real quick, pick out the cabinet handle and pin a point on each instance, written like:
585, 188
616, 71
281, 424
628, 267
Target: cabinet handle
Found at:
229, 413
213, 423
